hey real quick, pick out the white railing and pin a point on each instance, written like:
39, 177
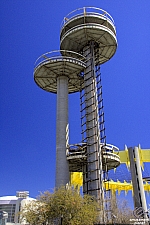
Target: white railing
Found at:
109, 148
58, 54
86, 11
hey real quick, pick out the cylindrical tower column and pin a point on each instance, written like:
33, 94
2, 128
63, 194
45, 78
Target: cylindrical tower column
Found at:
62, 167
93, 179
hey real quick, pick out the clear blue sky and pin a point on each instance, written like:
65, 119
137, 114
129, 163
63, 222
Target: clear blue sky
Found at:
28, 114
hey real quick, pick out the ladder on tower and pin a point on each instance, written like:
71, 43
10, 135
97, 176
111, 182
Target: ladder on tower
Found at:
98, 124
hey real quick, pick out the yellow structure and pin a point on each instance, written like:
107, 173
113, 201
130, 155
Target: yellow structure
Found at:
144, 155
119, 186
76, 178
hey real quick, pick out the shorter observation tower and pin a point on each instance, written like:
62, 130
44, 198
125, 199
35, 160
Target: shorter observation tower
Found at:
60, 72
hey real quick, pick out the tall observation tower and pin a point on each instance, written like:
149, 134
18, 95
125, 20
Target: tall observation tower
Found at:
87, 40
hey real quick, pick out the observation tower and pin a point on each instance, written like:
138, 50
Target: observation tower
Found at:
91, 32
87, 40
59, 72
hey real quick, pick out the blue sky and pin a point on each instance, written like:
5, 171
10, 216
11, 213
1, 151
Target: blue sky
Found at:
28, 114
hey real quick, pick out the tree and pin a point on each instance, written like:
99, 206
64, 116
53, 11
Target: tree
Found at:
120, 210
65, 205
34, 212
124, 213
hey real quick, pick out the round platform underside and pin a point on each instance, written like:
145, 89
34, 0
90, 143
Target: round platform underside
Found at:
78, 37
46, 73
110, 161
76, 163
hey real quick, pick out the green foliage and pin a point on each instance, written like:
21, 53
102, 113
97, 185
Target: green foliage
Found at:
65, 204
34, 213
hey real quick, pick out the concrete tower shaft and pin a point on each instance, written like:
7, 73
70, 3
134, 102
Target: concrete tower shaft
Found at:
92, 176
61, 136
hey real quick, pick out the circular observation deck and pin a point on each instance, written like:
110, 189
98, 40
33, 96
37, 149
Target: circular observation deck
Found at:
110, 158
53, 64
77, 156
86, 25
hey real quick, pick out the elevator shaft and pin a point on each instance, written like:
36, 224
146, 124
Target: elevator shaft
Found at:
92, 174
